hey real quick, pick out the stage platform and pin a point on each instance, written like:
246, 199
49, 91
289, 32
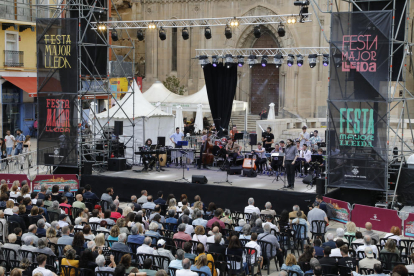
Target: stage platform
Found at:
234, 196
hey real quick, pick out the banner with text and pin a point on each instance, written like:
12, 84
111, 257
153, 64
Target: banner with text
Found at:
357, 101
50, 180
342, 209
381, 219
409, 226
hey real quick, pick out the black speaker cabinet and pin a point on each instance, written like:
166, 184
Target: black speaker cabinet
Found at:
249, 173
87, 167
117, 164
119, 128
66, 170
253, 139
235, 170
320, 186
199, 179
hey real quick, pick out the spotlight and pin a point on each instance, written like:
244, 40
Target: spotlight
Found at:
140, 35
240, 61
278, 60
251, 60
185, 33
299, 60
291, 20
325, 59
207, 33
214, 61
290, 60
152, 26
281, 30
203, 60
229, 60
114, 35
227, 32
234, 22
257, 33
162, 34
312, 60
338, 60
101, 27
303, 13
301, 3
264, 60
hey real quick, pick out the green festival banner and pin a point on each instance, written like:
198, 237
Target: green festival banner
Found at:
357, 102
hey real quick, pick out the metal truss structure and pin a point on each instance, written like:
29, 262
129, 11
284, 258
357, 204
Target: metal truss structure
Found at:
94, 143
205, 22
259, 52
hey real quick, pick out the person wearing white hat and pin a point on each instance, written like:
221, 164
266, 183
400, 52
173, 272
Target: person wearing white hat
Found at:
369, 261
164, 252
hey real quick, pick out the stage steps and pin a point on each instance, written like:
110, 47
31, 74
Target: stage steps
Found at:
238, 120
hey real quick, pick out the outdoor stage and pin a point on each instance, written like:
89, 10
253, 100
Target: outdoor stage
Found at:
127, 183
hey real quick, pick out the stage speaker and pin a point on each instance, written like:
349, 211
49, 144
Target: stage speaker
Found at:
253, 139
249, 173
199, 179
161, 141
320, 186
49, 160
119, 128
87, 167
235, 170
116, 164
66, 170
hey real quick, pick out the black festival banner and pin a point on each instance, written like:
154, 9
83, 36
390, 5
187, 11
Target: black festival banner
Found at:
357, 101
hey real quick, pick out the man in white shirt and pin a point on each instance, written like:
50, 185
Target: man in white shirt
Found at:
253, 244
215, 231
9, 139
95, 216
336, 252
186, 269
62, 220
304, 136
251, 208
307, 155
261, 157
367, 243
146, 248
176, 137
41, 260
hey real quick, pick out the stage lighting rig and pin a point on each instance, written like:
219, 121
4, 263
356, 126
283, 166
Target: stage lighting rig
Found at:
240, 60
299, 60
162, 34
325, 59
214, 60
207, 33
101, 27
114, 35
229, 60
264, 60
303, 14
257, 33
251, 60
203, 61
185, 34
291, 20
312, 60
140, 35
228, 32
281, 30
234, 22
152, 26
290, 60
278, 60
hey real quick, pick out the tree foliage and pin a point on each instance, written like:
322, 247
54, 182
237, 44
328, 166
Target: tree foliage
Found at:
172, 83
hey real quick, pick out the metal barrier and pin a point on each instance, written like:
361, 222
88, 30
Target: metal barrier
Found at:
19, 164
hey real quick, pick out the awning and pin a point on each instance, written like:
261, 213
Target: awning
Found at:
27, 84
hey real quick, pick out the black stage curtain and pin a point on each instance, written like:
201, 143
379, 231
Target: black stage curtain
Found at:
221, 85
234, 198
405, 188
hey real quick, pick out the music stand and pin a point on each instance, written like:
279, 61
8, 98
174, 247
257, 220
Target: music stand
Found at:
321, 144
182, 143
183, 153
238, 136
161, 141
317, 158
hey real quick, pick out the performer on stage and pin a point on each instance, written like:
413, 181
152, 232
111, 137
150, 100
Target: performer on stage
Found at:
268, 139
148, 159
206, 138
307, 154
261, 157
233, 132
233, 150
176, 137
276, 160
291, 153
315, 139
282, 146
304, 136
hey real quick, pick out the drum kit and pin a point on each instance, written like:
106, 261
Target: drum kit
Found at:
219, 147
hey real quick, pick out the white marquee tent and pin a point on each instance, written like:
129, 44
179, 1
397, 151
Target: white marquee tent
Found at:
150, 121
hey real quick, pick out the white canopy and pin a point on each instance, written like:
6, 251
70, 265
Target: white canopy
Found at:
159, 93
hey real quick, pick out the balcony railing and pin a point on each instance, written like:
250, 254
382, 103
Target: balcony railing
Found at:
13, 58
26, 10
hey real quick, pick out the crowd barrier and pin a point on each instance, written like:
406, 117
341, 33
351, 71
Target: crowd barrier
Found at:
342, 208
19, 163
56, 179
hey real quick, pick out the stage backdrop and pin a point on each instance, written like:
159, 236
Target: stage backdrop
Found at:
357, 102
57, 89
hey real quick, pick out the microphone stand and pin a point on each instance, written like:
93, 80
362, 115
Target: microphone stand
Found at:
227, 178
183, 153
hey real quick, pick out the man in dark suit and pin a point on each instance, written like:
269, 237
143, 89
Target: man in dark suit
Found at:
89, 195
216, 247
16, 218
329, 265
330, 241
160, 200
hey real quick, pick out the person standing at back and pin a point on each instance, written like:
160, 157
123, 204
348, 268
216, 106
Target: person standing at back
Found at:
9, 139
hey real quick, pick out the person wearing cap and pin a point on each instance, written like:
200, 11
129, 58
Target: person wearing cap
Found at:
379, 271
62, 220
369, 261
304, 136
164, 252
315, 139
